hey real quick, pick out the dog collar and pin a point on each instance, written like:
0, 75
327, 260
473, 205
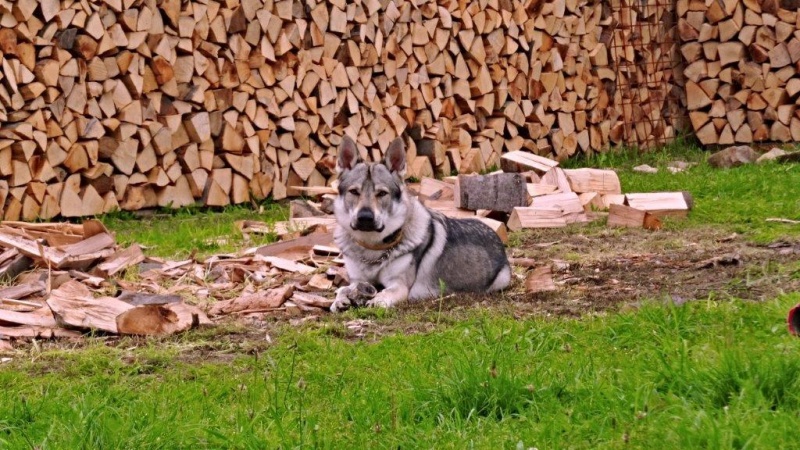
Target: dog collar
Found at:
388, 242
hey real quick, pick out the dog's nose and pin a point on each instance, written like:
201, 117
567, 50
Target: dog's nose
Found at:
365, 220
365, 216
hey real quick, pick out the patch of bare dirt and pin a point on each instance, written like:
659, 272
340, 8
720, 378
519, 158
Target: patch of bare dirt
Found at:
613, 268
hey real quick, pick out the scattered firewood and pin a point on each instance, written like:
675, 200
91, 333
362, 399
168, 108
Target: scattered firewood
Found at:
593, 180
523, 262
498, 227
320, 282
536, 218
120, 261
42, 317
519, 161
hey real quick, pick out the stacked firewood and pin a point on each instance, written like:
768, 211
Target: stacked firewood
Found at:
134, 104
741, 70
645, 53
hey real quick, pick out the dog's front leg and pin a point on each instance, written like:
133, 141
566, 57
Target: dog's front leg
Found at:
342, 301
390, 297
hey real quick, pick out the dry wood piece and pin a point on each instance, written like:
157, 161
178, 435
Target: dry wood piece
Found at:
593, 180
540, 279
312, 300
120, 261
519, 161
259, 301
625, 216
285, 264
661, 204
160, 319
42, 317
498, 192
497, 226
536, 218
74, 306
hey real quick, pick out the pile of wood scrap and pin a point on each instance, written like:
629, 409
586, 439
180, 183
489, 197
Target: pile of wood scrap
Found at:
61, 275
67, 279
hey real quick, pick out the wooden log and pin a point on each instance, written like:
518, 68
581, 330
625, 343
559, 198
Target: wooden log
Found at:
661, 204
530, 217
626, 216
593, 180
498, 192
520, 161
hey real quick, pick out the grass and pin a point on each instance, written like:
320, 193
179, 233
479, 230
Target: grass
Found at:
178, 233
707, 374
711, 373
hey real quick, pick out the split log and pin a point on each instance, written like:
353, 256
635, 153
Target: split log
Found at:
498, 192
626, 216
661, 204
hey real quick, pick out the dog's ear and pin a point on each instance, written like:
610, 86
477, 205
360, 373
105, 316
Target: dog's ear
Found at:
348, 155
395, 158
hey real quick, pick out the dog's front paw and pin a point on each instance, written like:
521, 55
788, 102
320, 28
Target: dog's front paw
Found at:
342, 301
384, 300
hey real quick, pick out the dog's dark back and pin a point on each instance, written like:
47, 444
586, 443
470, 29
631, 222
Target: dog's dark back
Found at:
470, 246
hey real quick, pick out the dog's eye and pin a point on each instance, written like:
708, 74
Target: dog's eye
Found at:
381, 194
353, 191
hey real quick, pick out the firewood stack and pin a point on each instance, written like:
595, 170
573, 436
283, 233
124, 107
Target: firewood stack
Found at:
134, 104
742, 60
649, 98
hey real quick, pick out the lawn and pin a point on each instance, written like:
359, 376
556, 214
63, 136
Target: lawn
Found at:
712, 367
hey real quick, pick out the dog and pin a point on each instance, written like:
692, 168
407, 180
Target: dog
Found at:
407, 251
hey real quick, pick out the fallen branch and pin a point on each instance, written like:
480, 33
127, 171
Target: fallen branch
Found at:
780, 220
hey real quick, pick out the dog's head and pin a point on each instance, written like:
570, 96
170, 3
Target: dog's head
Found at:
371, 195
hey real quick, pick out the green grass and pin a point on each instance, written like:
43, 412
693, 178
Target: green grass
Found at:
176, 234
706, 374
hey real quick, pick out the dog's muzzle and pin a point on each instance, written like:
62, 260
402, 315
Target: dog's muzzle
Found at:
365, 221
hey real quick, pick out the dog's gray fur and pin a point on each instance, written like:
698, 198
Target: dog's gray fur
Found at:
428, 255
